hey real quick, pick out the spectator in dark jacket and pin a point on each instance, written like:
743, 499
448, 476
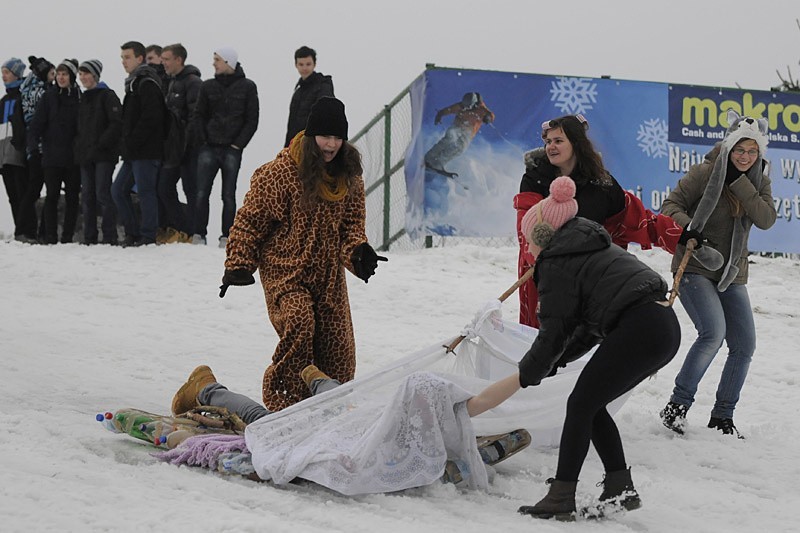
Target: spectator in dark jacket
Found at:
12, 139
180, 157
309, 88
143, 118
224, 121
590, 292
54, 127
42, 75
97, 151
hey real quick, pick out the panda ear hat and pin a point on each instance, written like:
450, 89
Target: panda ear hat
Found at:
741, 127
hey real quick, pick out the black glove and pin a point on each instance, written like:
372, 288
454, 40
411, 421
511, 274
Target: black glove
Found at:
365, 261
438, 118
691, 234
238, 277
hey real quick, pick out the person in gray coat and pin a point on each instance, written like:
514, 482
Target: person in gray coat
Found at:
722, 197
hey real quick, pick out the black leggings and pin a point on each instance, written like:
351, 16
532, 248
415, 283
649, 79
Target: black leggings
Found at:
645, 339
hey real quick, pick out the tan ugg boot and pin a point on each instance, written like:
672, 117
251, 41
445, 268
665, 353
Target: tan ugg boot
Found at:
186, 397
311, 373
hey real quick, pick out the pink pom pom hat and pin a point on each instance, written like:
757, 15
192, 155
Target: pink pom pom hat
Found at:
555, 210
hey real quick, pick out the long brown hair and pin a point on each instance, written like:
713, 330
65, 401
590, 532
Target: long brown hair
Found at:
346, 165
587, 160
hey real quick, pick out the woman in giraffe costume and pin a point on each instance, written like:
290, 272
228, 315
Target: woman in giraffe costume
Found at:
301, 224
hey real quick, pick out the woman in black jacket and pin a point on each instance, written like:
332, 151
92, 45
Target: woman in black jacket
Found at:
590, 292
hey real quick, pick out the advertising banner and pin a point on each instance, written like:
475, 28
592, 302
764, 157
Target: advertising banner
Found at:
472, 129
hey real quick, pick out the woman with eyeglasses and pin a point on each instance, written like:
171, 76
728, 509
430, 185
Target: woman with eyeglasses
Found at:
722, 197
569, 152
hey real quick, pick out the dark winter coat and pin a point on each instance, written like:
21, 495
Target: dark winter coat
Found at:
596, 201
227, 110
585, 283
12, 128
55, 126
99, 126
306, 93
182, 92
143, 116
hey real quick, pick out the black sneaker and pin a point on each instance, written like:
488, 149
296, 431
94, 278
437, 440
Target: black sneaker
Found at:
673, 416
725, 425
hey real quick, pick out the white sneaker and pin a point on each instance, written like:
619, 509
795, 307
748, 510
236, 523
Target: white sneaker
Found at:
198, 239
223, 242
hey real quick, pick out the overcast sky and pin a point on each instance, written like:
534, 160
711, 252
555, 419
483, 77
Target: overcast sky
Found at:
374, 49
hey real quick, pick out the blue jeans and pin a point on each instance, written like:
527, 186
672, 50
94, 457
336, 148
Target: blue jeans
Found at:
96, 190
144, 174
717, 316
210, 159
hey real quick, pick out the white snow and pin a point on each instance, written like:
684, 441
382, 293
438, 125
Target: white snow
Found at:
89, 329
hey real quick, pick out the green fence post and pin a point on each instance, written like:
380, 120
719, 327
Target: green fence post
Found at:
387, 170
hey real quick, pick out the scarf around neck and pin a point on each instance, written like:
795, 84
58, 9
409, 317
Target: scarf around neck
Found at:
332, 189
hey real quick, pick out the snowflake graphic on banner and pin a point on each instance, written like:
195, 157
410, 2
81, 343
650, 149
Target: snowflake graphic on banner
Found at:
652, 137
573, 95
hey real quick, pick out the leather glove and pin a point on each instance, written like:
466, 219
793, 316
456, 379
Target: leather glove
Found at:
691, 234
365, 261
239, 277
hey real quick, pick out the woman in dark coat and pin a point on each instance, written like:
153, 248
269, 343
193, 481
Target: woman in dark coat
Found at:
590, 292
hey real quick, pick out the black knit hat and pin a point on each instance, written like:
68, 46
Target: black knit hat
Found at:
327, 118
40, 67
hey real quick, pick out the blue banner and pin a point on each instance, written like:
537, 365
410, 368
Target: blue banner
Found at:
471, 130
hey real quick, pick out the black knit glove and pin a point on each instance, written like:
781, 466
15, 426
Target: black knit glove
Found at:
240, 277
365, 261
691, 234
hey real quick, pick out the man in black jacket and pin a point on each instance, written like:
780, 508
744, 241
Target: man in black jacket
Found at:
143, 118
224, 121
309, 88
180, 154
97, 151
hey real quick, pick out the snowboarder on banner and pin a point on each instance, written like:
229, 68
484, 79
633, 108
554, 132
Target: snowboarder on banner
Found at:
470, 114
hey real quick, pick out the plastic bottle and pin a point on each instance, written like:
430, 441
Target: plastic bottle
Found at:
235, 463
107, 419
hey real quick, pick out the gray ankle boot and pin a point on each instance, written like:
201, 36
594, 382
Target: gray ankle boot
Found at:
618, 494
559, 502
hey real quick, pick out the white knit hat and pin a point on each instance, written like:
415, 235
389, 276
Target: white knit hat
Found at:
229, 55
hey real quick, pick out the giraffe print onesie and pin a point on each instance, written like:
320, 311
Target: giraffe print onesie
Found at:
301, 251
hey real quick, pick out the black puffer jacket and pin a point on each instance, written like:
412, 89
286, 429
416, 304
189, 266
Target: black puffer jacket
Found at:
227, 110
55, 126
585, 283
596, 201
143, 116
182, 92
99, 126
306, 93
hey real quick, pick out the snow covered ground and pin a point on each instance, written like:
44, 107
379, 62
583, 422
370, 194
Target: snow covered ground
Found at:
89, 329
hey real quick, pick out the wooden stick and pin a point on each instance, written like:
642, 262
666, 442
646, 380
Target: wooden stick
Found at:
673, 293
503, 297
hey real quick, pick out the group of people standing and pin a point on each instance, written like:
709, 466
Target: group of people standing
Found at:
170, 126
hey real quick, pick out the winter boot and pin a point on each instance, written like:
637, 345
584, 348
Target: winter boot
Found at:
725, 425
559, 502
186, 397
673, 416
618, 494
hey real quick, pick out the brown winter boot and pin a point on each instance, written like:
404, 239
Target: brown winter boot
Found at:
186, 397
311, 373
559, 502
618, 494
